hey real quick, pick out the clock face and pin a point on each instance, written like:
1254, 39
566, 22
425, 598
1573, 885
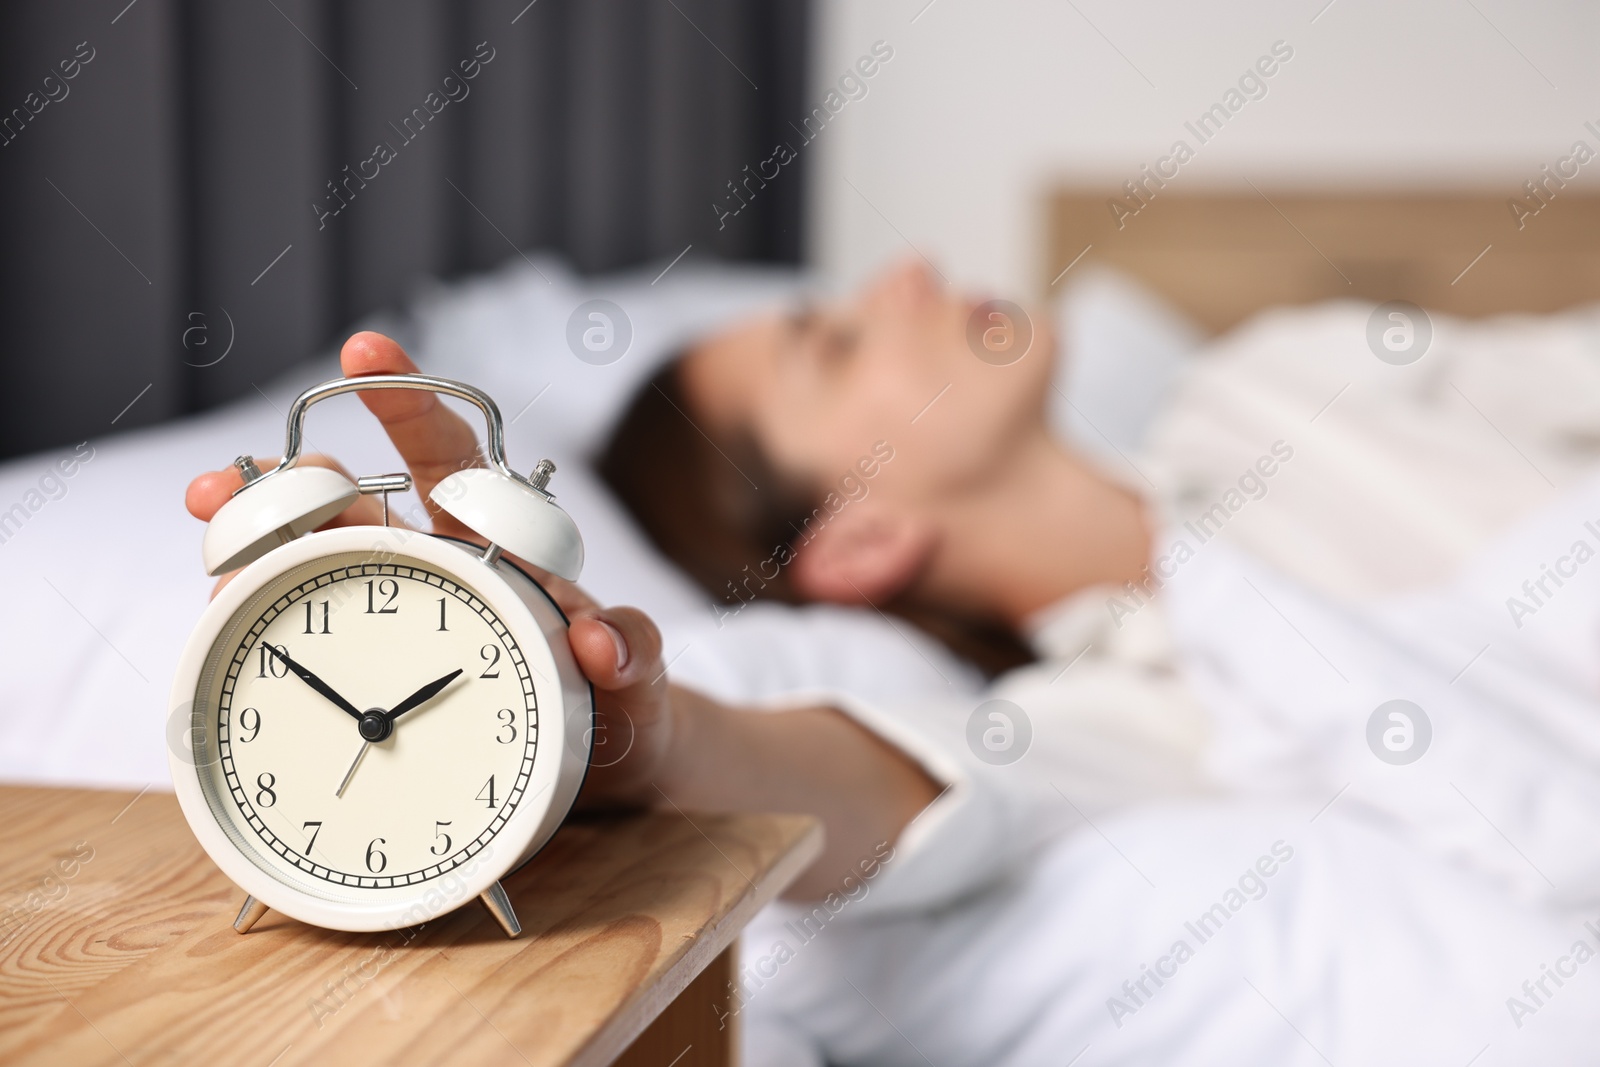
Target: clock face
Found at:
369, 725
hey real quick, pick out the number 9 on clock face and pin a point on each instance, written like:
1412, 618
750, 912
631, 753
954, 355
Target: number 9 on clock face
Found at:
384, 724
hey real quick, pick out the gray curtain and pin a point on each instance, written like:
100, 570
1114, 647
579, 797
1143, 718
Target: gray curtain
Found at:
171, 170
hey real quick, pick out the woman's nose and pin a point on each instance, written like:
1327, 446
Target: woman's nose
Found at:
911, 280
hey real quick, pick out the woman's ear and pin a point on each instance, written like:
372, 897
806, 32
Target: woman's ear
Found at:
869, 552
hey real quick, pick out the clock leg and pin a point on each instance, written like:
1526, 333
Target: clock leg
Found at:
494, 898
249, 915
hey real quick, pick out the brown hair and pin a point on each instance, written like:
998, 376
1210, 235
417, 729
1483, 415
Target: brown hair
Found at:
721, 511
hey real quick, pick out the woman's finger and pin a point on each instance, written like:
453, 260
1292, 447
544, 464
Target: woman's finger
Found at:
434, 441
207, 493
619, 650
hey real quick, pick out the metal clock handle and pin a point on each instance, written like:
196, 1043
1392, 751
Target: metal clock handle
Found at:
295, 436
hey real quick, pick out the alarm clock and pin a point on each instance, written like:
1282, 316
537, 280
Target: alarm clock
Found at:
383, 723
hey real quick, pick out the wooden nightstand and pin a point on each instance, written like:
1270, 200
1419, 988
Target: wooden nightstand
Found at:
117, 947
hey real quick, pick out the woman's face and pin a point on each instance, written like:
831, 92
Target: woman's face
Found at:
818, 387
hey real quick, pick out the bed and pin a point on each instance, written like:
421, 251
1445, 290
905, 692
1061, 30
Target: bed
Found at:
104, 576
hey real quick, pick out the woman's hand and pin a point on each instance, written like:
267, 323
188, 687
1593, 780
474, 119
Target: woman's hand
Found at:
618, 649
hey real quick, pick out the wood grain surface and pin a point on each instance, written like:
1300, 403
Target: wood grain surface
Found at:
116, 947
1222, 256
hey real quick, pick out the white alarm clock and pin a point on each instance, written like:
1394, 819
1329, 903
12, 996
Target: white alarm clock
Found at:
381, 723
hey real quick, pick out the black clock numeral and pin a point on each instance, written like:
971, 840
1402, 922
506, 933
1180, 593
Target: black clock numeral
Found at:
508, 721
376, 860
492, 654
272, 666
388, 588
313, 842
324, 618
265, 798
441, 614
488, 787
249, 721
437, 849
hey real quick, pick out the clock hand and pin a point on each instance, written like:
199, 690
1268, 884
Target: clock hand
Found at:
422, 696
362, 751
316, 683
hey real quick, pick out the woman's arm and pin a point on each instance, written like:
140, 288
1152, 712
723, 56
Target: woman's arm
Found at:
814, 760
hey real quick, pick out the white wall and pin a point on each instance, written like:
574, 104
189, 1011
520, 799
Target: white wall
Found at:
986, 102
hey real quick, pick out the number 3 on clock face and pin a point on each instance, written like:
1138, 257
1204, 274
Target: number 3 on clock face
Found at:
383, 731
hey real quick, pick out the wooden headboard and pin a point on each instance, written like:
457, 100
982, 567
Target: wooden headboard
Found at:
1221, 256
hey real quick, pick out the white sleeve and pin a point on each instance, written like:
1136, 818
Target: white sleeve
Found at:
971, 835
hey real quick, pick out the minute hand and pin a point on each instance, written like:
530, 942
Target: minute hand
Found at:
316, 683
422, 696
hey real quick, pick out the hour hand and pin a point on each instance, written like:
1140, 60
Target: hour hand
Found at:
422, 696
316, 683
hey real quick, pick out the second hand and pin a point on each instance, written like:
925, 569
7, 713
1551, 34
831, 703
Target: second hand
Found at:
362, 751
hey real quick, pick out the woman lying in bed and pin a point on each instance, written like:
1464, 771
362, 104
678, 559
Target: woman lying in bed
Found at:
860, 453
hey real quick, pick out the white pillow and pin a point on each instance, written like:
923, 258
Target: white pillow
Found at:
507, 333
1121, 349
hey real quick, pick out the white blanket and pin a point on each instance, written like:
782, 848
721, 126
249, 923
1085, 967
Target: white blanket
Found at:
1358, 949
1354, 911
1405, 552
